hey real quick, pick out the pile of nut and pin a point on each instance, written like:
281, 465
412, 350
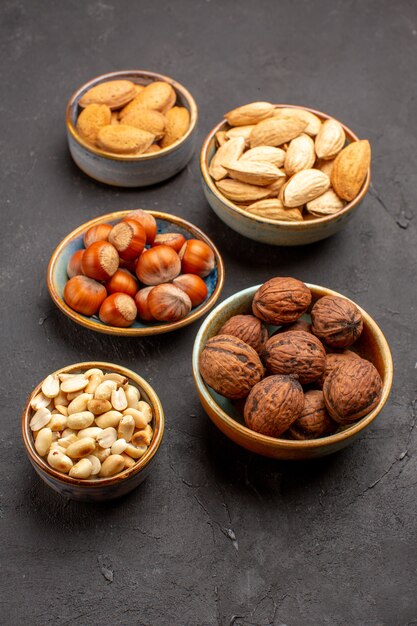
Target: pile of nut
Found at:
91, 424
128, 271
301, 382
122, 117
286, 163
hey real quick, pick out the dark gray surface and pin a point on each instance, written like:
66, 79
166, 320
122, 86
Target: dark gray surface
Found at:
216, 536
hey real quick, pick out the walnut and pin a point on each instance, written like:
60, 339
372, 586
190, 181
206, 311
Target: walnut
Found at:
298, 325
352, 390
229, 366
273, 405
249, 329
333, 360
281, 300
314, 420
336, 321
295, 352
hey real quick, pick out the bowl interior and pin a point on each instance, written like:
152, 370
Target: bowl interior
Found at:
371, 345
147, 394
57, 275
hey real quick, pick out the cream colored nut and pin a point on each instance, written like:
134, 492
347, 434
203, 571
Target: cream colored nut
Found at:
138, 416
221, 137
59, 461
303, 187
273, 155
94, 371
129, 462
326, 204
274, 132
96, 465
43, 441
65, 376
330, 139
93, 382
92, 431
77, 421
50, 386
240, 131
71, 396
145, 408
55, 436
79, 403
114, 464
101, 453
135, 453
117, 378
70, 385
40, 402
251, 113
312, 121
82, 469
260, 173
58, 422
62, 409
107, 437
40, 419
230, 151
126, 427
82, 447
69, 431
143, 437
300, 155
66, 441
104, 389
237, 191
99, 406
111, 418
55, 446
132, 396
119, 446
61, 399
118, 399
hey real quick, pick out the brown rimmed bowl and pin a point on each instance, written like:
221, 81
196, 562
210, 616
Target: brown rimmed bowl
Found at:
225, 414
99, 489
266, 230
57, 276
131, 170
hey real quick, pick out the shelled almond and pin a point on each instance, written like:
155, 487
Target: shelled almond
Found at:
285, 163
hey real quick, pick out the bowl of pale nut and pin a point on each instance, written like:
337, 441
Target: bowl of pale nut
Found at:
92, 430
131, 128
282, 174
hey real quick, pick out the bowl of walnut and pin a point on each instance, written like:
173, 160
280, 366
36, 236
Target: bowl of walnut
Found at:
291, 370
131, 128
92, 430
282, 174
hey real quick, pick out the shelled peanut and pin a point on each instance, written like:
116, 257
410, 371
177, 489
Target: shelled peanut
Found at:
91, 424
128, 271
122, 117
286, 163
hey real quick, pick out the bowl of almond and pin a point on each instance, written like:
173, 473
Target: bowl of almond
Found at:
282, 174
131, 128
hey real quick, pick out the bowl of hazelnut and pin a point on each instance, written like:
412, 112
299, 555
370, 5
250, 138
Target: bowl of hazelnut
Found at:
282, 174
92, 430
290, 370
135, 273
131, 128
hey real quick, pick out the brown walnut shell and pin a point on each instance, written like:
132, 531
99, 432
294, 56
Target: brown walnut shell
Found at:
352, 390
249, 329
333, 360
314, 420
230, 367
281, 300
273, 405
295, 352
336, 321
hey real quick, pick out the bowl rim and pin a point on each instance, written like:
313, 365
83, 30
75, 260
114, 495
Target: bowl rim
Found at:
277, 442
145, 331
159, 424
120, 75
284, 225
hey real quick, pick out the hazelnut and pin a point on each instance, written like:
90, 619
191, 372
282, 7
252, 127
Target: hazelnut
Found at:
333, 360
314, 420
352, 390
295, 352
281, 300
230, 366
336, 321
273, 405
249, 329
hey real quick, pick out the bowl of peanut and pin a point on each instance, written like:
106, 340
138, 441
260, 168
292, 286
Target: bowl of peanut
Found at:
91, 430
131, 128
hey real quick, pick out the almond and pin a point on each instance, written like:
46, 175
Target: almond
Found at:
241, 192
325, 166
330, 140
249, 113
114, 117
350, 168
313, 122
91, 119
230, 151
177, 124
254, 172
146, 119
275, 187
221, 137
274, 209
123, 139
240, 131
153, 148
303, 187
157, 95
326, 204
276, 156
274, 132
300, 155
113, 93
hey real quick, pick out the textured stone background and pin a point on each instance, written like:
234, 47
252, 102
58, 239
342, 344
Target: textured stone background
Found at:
216, 536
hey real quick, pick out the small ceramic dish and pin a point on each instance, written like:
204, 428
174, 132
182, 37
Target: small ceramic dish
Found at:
57, 276
99, 489
265, 230
372, 345
131, 170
